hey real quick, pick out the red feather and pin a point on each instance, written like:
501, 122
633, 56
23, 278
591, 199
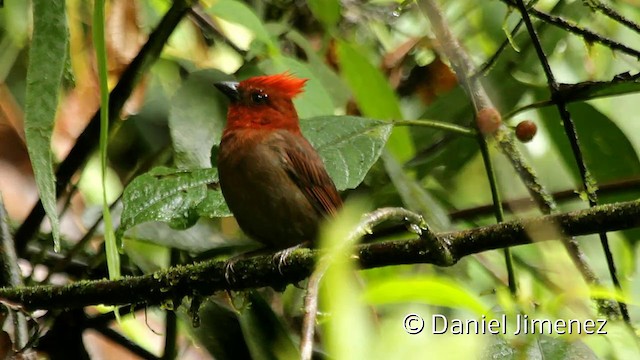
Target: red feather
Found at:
284, 84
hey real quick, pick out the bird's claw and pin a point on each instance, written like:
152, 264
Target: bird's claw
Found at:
228, 271
280, 258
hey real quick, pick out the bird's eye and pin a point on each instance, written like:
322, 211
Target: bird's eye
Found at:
259, 97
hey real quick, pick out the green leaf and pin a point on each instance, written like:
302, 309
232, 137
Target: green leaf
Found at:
315, 100
203, 236
595, 89
219, 330
264, 331
544, 347
455, 107
331, 82
348, 145
196, 119
44, 76
427, 290
415, 197
169, 195
601, 140
14, 24
371, 90
327, 11
340, 292
239, 13
374, 96
213, 205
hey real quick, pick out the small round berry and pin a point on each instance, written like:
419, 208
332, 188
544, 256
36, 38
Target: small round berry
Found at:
488, 120
526, 130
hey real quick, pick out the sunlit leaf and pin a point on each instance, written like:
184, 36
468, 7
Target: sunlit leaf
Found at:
438, 291
374, 96
332, 82
339, 293
239, 13
315, 100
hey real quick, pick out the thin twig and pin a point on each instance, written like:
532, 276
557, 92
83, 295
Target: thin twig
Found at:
10, 276
523, 204
171, 320
498, 211
484, 68
208, 26
598, 5
586, 34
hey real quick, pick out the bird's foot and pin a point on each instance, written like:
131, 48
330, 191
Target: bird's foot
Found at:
228, 268
280, 258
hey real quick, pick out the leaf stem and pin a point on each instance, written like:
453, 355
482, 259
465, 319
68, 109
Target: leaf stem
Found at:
439, 125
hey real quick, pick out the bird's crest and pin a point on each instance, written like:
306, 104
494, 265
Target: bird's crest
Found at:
284, 83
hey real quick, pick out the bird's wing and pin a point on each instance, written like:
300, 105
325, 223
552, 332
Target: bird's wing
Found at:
305, 167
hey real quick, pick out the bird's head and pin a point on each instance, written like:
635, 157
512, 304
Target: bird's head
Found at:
263, 102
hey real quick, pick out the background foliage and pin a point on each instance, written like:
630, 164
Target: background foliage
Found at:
370, 65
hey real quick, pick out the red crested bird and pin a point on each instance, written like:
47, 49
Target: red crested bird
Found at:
272, 179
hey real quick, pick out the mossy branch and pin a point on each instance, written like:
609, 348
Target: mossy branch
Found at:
205, 278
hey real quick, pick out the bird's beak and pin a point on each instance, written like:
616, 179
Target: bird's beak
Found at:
230, 89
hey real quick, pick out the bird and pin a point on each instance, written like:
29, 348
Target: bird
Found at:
273, 180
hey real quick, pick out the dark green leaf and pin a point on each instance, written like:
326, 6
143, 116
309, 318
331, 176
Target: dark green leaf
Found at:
601, 141
219, 331
196, 119
348, 145
44, 76
266, 335
213, 205
595, 89
415, 197
168, 195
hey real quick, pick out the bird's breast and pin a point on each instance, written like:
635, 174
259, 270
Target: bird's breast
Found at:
267, 204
